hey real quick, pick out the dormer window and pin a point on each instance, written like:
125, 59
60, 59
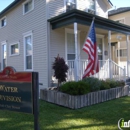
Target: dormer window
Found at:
28, 6
3, 22
70, 4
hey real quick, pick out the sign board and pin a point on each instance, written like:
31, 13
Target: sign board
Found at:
19, 92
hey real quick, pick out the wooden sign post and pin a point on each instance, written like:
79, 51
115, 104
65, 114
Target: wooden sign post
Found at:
19, 92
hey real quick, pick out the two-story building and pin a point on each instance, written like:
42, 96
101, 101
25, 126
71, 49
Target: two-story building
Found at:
119, 49
33, 32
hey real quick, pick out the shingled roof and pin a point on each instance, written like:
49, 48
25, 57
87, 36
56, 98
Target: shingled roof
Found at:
118, 11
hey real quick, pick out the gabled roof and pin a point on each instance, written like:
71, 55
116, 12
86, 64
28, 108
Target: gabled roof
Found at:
9, 7
118, 11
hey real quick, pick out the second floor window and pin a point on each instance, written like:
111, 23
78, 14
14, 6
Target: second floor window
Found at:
70, 4
3, 22
92, 4
28, 6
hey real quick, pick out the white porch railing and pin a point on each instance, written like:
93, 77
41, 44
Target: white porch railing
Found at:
107, 69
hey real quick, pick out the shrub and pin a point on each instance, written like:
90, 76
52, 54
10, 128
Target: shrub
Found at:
94, 83
104, 85
112, 83
120, 83
75, 88
60, 69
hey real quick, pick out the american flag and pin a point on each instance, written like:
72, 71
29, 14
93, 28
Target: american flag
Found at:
90, 48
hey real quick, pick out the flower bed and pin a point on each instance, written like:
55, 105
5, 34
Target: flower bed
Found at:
79, 101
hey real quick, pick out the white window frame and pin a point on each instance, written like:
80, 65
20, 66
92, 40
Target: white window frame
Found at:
67, 30
29, 33
1, 22
119, 53
27, 1
3, 43
10, 49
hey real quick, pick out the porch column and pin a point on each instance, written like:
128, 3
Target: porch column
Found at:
127, 42
109, 42
76, 51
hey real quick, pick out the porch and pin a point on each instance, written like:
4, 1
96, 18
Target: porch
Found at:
107, 69
75, 25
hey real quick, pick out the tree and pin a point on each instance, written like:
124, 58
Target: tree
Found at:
60, 69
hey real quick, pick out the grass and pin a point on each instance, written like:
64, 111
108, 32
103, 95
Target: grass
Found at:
103, 116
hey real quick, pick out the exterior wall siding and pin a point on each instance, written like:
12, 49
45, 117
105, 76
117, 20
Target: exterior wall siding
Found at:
17, 25
55, 7
57, 46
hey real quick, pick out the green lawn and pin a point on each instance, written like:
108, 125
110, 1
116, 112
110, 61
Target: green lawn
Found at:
103, 116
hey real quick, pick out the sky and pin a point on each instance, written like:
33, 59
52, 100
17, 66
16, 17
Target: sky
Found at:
116, 3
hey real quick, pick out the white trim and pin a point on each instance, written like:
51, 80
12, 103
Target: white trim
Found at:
67, 30
1, 21
30, 9
10, 49
29, 33
3, 43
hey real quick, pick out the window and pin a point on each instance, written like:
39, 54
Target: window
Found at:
70, 46
70, 4
92, 4
28, 53
14, 49
122, 53
28, 6
3, 22
3, 55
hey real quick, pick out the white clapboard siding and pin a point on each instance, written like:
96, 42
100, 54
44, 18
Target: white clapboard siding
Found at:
17, 25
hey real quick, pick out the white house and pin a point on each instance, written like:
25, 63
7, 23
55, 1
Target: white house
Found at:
33, 32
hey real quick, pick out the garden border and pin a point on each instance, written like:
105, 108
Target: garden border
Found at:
75, 102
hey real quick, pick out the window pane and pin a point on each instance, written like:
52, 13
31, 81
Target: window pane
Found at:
14, 49
3, 22
4, 56
28, 6
28, 43
70, 43
4, 63
71, 56
91, 4
28, 62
